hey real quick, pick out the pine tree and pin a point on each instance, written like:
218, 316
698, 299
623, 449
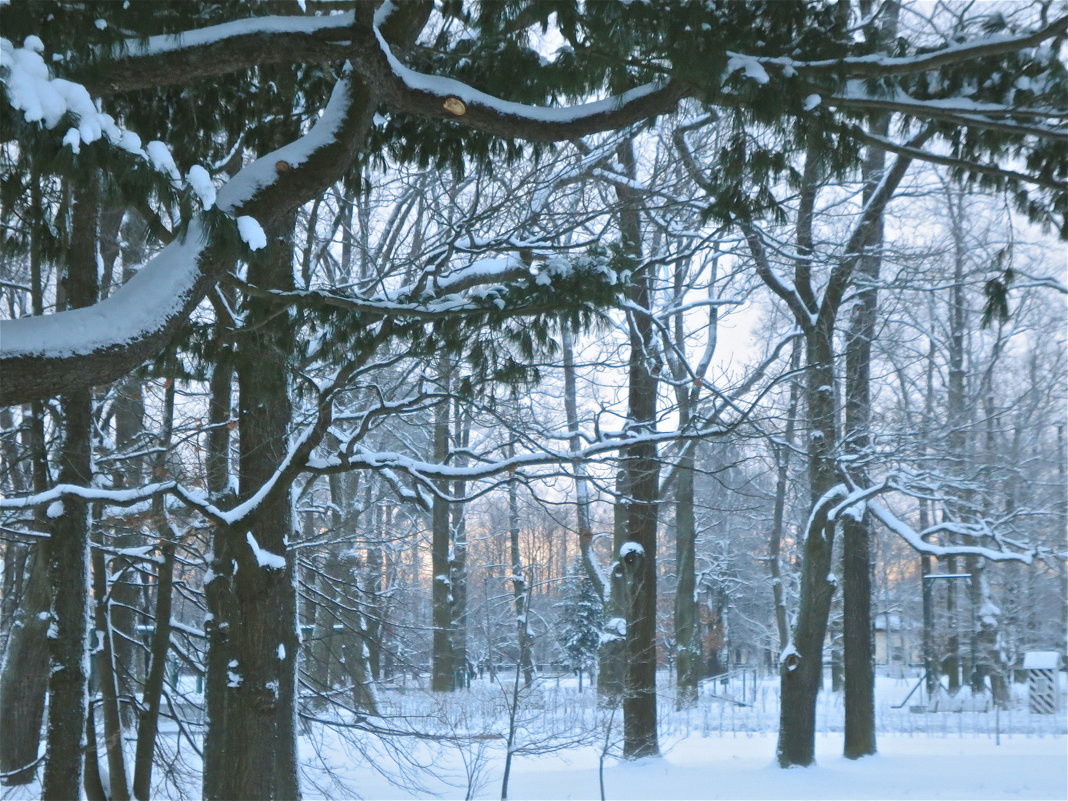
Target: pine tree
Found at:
581, 619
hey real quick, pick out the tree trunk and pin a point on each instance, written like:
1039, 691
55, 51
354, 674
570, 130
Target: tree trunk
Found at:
582, 490
857, 630
108, 683
159, 647
778, 527
610, 652
253, 643
956, 423
24, 680
951, 660
687, 641
801, 666
642, 467
458, 563
68, 547
930, 653
519, 583
442, 678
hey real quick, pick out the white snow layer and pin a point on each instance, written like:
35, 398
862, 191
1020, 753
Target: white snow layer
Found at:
165, 43
201, 184
251, 232
449, 87
265, 559
31, 89
159, 289
152, 294
160, 156
753, 69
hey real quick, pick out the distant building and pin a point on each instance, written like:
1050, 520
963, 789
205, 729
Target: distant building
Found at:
895, 642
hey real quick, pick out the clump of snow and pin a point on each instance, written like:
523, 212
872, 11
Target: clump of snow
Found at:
201, 184
31, 89
160, 156
1041, 660
615, 628
628, 548
812, 101
73, 140
265, 559
55, 509
753, 69
233, 678
251, 232
281, 651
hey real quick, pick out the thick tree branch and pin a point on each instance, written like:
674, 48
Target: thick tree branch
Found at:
43, 356
405, 90
220, 49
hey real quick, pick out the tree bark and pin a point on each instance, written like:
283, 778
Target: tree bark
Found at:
642, 468
519, 583
253, 639
778, 524
857, 532
458, 563
687, 642
107, 681
24, 680
159, 647
801, 667
443, 666
68, 547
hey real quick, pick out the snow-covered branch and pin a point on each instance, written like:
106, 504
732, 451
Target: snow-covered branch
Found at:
46, 355
916, 540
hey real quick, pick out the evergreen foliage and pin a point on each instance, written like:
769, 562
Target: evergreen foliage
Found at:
581, 618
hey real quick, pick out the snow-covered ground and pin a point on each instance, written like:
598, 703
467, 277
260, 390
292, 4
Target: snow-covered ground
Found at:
720, 750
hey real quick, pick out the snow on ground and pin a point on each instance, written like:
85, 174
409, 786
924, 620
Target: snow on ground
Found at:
742, 767
719, 750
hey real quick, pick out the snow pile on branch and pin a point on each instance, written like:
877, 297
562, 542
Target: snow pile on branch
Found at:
200, 182
753, 69
265, 559
31, 89
251, 232
47, 100
615, 628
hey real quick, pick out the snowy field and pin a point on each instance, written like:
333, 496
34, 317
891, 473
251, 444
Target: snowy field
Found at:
725, 767
453, 747
718, 751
